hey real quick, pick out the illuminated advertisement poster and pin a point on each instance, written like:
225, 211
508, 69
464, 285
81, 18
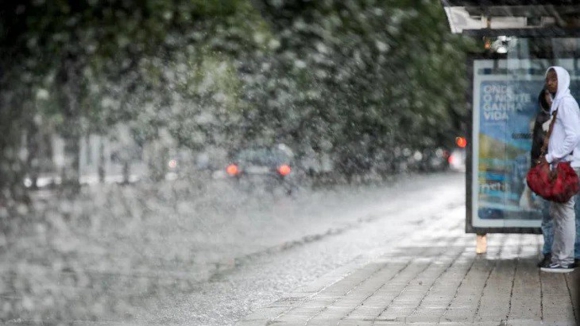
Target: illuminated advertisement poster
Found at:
505, 104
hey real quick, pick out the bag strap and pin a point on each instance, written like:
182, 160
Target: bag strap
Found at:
547, 138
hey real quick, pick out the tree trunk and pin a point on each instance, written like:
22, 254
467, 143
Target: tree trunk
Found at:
68, 80
126, 171
13, 115
71, 173
33, 147
101, 163
157, 160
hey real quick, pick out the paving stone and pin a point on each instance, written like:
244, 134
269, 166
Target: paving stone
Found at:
435, 278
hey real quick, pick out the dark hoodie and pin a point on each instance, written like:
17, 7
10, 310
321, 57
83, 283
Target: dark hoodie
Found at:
538, 133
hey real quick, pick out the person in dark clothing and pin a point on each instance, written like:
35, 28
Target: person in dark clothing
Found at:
539, 131
541, 126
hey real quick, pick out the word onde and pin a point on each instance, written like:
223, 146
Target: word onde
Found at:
499, 100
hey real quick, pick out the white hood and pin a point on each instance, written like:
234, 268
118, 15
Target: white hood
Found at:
564, 143
563, 86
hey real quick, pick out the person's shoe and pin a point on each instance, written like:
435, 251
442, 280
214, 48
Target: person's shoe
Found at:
557, 268
546, 261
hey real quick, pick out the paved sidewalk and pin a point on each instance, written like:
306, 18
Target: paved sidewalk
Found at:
436, 278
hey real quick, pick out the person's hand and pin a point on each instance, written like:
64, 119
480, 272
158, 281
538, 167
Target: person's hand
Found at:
546, 125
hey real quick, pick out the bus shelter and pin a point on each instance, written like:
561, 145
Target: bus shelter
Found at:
517, 42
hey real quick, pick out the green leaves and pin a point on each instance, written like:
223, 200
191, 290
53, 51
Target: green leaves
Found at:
314, 74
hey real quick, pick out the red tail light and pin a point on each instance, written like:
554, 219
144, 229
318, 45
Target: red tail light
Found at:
232, 170
284, 170
461, 142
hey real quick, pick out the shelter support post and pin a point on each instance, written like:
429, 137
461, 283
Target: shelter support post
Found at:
481, 243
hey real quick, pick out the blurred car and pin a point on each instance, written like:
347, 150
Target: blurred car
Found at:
457, 159
270, 168
432, 160
179, 162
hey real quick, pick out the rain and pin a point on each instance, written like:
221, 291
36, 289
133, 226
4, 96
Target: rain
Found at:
135, 137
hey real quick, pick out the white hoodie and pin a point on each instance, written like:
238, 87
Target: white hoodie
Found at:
565, 137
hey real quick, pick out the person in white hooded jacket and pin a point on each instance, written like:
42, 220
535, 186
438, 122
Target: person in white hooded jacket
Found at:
563, 146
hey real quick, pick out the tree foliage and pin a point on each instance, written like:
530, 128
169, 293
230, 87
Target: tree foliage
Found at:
351, 79
373, 72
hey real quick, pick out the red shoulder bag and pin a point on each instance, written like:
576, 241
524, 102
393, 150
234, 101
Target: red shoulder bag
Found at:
557, 184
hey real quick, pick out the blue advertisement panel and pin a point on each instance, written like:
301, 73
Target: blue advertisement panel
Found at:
505, 105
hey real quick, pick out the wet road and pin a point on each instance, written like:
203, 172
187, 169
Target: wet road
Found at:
290, 242
189, 252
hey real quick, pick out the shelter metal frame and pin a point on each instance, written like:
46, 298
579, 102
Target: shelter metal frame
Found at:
485, 19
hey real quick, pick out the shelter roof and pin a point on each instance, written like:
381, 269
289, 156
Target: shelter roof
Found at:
511, 14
